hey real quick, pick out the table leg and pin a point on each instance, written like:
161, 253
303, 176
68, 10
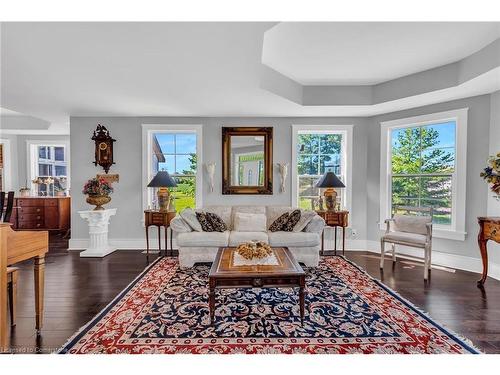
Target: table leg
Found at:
171, 242
39, 289
166, 241
484, 256
335, 242
343, 240
159, 241
302, 300
147, 241
211, 300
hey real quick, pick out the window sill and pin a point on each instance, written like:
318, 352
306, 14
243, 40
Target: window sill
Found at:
446, 234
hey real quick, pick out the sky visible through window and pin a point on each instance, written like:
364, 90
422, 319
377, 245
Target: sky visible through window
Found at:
178, 146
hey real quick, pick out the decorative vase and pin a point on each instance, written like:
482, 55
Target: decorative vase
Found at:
98, 201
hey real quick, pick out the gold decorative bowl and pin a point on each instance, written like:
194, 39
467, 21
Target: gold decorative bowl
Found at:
98, 201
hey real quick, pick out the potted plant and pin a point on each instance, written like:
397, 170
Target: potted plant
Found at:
98, 191
492, 174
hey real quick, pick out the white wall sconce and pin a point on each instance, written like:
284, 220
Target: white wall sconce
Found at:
211, 173
283, 169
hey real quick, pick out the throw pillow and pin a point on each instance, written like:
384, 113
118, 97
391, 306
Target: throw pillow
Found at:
293, 219
244, 222
305, 218
206, 226
279, 223
189, 216
216, 221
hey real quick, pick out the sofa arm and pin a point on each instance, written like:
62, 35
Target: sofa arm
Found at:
316, 225
179, 225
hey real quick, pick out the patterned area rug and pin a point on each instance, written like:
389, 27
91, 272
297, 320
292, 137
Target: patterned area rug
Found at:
165, 310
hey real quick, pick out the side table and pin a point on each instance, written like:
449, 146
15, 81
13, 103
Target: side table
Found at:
158, 219
334, 219
98, 232
489, 229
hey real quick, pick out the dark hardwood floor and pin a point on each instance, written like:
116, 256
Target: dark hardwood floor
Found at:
76, 289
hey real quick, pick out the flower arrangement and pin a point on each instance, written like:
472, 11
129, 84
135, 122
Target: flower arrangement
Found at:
492, 174
97, 186
251, 250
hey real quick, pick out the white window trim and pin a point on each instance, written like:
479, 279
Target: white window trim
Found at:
457, 230
31, 158
346, 132
147, 131
7, 168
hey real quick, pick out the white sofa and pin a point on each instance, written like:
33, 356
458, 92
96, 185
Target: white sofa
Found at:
197, 247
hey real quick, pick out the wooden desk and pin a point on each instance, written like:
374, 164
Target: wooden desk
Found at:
16, 247
489, 229
158, 219
334, 219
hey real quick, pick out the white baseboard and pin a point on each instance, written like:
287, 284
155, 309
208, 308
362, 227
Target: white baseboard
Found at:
438, 258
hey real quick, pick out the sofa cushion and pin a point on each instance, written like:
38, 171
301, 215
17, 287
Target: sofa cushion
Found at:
224, 212
236, 238
305, 218
189, 216
279, 223
205, 223
216, 221
203, 239
246, 210
273, 212
406, 237
295, 239
249, 222
293, 219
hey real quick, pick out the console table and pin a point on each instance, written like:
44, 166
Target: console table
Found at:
334, 219
489, 229
158, 219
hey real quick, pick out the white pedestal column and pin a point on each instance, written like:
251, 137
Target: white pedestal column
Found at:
98, 232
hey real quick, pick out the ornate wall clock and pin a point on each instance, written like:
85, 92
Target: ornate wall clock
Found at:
103, 147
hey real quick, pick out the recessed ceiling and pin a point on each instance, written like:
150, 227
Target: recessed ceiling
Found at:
56, 70
364, 53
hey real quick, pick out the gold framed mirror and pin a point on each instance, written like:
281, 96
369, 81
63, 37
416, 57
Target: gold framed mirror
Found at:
247, 160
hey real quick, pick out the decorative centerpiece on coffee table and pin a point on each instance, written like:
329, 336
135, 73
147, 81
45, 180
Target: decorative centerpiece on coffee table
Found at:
254, 250
98, 191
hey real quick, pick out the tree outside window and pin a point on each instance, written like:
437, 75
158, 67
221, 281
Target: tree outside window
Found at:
423, 164
317, 153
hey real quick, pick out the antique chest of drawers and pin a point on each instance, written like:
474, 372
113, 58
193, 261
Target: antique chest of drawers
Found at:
44, 213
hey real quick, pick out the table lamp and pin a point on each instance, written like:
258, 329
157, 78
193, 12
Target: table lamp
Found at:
330, 182
162, 181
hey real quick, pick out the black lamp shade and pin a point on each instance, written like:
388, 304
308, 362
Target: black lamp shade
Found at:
329, 180
162, 179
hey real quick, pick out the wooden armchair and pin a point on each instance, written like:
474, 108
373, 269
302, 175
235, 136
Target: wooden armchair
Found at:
409, 230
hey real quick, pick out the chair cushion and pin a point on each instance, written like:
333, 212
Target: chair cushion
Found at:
411, 224
203, 239
244, 222
236, 238
293, 239
406, 237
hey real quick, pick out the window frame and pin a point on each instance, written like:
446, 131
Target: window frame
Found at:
7, 168
346, 158
455, 231
147, 143
32, 158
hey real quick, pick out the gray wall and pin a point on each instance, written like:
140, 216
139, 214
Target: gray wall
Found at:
366, 166
477, 153
128, 155
494, 138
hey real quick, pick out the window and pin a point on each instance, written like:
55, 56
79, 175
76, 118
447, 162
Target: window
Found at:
422, 167
175, 149
319, 149
49, 161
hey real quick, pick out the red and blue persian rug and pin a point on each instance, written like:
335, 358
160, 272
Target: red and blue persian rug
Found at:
165, 310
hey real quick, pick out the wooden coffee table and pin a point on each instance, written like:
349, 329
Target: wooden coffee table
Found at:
287, 273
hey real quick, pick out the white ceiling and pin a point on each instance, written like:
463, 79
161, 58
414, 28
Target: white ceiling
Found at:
362, 53
56, 70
